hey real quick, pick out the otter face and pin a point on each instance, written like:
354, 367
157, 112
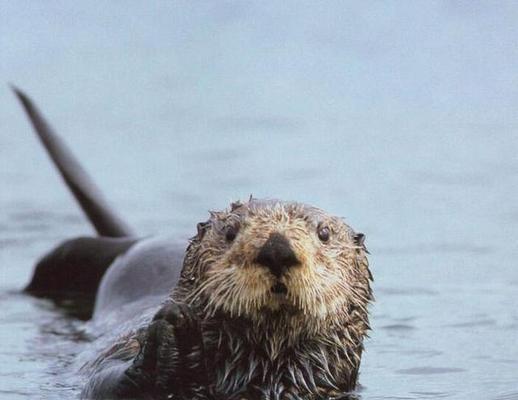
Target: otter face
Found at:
268, 257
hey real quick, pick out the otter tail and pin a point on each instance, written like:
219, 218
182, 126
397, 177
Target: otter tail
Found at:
104, 218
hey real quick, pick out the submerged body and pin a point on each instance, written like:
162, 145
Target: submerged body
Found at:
268, 301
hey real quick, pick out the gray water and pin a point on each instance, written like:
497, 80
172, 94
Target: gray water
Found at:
399, 116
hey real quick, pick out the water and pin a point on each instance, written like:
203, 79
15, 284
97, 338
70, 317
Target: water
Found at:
400, 117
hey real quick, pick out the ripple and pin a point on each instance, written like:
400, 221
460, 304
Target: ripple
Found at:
423, 353
14, 392
41, 215
507, 396
505, 361
249, 123
408, 291
399, 327
470, 324
437, 248
431, 395
429, 371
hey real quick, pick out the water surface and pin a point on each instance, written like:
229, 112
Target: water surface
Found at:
399, 116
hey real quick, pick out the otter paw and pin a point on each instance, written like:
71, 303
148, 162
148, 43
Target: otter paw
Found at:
171, 362
180, 316
158, 358
190, 377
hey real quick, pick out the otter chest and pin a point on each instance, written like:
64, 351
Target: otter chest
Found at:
242, 371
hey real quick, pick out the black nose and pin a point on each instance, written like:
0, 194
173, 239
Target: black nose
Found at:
277, 255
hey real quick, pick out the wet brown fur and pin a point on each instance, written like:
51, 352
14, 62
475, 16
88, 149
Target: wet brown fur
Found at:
307, 344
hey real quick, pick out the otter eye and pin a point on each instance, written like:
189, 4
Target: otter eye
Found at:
231, 232
323, 233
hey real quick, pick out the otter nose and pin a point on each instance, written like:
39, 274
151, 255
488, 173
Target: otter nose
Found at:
277, 255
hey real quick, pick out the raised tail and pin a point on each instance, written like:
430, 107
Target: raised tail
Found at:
100, 214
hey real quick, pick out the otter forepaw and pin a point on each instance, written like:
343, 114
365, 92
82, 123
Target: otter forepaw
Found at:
180, 316
190, 376
171, 364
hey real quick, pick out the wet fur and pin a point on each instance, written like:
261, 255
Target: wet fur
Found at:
308, 345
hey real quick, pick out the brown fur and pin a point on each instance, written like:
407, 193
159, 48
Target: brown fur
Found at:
306, 344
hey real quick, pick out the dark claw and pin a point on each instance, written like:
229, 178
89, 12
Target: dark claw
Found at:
178, 315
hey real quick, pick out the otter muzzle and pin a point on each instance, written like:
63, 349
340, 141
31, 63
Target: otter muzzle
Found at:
277, 255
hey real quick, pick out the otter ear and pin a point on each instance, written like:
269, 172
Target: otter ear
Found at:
202, 229
235, 205
359, 240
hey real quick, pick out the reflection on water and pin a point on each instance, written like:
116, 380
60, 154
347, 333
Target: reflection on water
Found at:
401, 118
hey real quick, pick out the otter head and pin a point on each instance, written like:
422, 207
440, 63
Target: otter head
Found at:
267, 261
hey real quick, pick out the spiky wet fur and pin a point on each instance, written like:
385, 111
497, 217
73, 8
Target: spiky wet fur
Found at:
304, 345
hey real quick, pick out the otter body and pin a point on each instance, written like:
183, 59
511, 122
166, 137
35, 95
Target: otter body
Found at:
276, 295
268, 301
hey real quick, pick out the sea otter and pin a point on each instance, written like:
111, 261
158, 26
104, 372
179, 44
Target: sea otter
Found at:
269, 302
